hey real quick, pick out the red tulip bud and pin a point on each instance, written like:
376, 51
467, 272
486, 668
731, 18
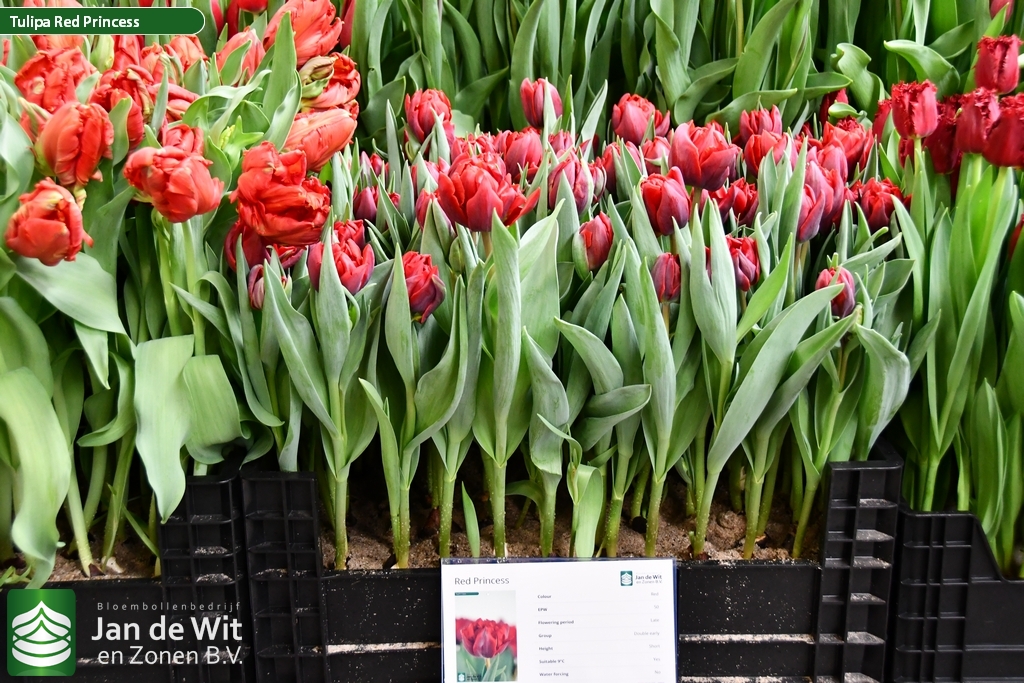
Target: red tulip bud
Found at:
73, 141
420, 109
881, 116
828, 100
996, 5
656, 153
257, 287
354, 265
703, 154
978, 113
522, 152
632, 115
667, 277
666, 200
739, 198
844, 302
577, 175
757, 122
426, 290
914, 109
593, 243
47, 225
997, 68
532, 96
1005, 143
878, 199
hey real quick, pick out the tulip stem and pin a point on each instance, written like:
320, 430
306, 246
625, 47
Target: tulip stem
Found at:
170, 299
444, 537
805, 516
766, 501
654, 515
116, 504
73, 506
340, 513
497, 493
704, 514
644, 473
6, 510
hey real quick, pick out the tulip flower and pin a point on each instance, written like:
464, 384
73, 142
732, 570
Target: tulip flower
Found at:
127, 52
703, 154
941, 144
633, 114
73, 141
50, 77
522, 152
995, 6
759, 121
828, 100
828, 157
255, 249
476, 188
253, 6
58, 42
183, 137
577, 175
761, 145
997, 68
532, 96
614, 150
364, 203
423, 203
881, 116
656, 153
341, 88
739, 198
852, 138
433, 170
275, 197
561, 142
177, 183
420, 109
1005, 143
812, 209
667, 277
426, 290
844, 302
320, 134
187, 49
373, 164
253, 53
877, 198
47, 225
314, 24
354, 264
979, 110
178, 101
914, 109
666, 200
592, 244
257, 288
485, 638
109, 93
597, 172
745, 261
828, 187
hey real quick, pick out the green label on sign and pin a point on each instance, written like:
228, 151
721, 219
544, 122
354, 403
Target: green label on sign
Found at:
41, 632
104, 20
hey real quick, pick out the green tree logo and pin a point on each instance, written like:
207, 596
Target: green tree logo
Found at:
41, 632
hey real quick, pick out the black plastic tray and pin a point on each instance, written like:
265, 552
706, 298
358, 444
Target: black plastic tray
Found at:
787, 620
204, 563
954, 617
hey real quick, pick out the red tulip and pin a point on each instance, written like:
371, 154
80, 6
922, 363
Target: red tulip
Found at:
978, 113
321, 134
127, 52
577, 175
812, 208
611, 152
187, 49
420, 109
851, 137
426, 290
485, 638
997, 68
522, 152
476, 188
343, 86
423, 203
877, 198
364, 203
178, 101
275, 197
257, 288
109, 93
666, 200
177, 183
73, 141
828, 100
829, 186
941, 144
354, 264
253, 53
373, 164
58, 42
50, 77
633, 114
47, 225
597, 172
253, 6
761, 145
739, 198
881, 116
656, 153
532, 96
828, 157
745, 261
184, 137
314, 25
1005, 144
996, 5
667, 277
844, 302
914, 109
255, 249
562, 141
757, 122
703, 154
593, 243
433, 170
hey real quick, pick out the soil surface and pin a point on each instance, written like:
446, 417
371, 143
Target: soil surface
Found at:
369, 527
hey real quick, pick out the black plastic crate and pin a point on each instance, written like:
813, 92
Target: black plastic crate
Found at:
955, 618
737, 620
204, 574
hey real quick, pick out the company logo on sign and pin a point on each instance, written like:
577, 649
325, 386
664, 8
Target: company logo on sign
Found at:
626, 578
41, 632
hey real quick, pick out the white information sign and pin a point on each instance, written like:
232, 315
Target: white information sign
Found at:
586, 621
